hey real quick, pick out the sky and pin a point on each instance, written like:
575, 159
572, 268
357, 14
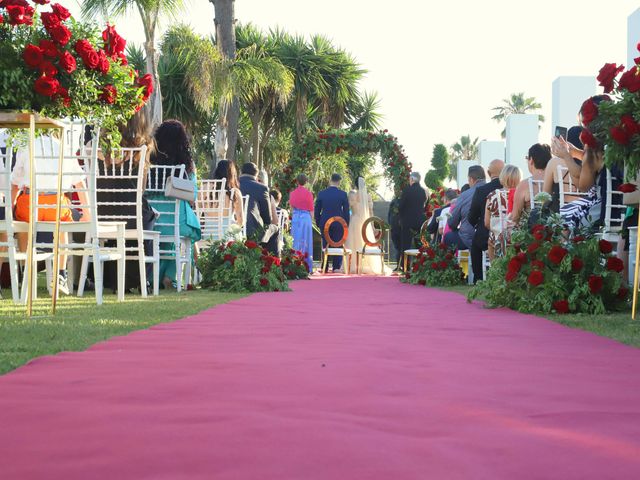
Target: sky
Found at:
439, 67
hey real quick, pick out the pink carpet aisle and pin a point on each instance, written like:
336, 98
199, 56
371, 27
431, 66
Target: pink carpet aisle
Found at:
343, 379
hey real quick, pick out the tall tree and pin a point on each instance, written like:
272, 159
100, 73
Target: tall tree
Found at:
463, 149
364, 114
150, 12
517, 103
229, 114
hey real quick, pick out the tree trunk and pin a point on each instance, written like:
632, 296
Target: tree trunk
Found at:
255, 139
226, 41
154, 109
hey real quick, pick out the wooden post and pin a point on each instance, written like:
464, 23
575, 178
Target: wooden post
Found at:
32, 208
56, 234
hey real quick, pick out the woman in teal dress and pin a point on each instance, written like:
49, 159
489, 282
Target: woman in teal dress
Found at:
173, 148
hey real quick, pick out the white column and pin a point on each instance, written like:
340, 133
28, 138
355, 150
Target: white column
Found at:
490, 150
568, 94
633, 37
522, 132
463, 171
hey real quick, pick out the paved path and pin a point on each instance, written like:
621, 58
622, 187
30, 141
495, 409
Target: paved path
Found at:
343, 379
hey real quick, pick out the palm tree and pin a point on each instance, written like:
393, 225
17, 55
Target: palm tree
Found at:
517, 103
464, 149
150, 12
364, 114
229, 114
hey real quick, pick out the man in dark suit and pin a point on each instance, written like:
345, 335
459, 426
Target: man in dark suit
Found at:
411, 211
332, 202
393, 219
476, 217
259, 221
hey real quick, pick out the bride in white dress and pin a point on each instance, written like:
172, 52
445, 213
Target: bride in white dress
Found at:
361, 207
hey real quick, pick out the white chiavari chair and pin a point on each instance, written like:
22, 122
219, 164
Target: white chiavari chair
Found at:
535, 187
614, 210
211, 211
566, 186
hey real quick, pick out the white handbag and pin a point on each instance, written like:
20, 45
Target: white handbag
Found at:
180, 188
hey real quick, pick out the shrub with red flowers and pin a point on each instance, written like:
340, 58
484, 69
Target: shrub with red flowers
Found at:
59, 67
543, 273
237, 266
435, 267
294, 265
436, 200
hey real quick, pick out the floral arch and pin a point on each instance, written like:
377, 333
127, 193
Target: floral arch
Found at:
359, 142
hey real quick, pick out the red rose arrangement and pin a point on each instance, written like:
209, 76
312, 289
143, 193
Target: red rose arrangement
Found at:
294, 265
435, 267
60, 67
544, 273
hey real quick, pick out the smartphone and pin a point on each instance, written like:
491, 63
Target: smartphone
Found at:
561, 132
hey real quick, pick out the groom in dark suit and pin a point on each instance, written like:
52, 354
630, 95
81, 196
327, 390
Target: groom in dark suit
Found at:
332, 202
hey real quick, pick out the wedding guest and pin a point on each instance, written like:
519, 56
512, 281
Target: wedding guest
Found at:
46, 160
301, 201
461, 234
451, 196
174, 149
411, 210
480, 241
537, 159
332, 202
552, 180
496, 219
259, 216
435, 226
135, 134
395, 230
233, 212
263, 178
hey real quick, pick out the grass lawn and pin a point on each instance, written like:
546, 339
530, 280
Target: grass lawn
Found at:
617, 326
79, 322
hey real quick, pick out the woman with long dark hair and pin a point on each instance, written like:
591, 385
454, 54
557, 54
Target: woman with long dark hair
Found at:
174, 149
233, 213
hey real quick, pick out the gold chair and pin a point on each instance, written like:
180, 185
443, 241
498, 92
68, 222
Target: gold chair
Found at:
336, 249
413, 252
371, 248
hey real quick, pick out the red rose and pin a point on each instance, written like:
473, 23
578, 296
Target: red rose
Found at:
605, 246
67, 62
91, 60
265, 269
264, 282
443, 265
589, 111
587, 138
49, 20
422, 282
103, 64
539, 235
48, 48
615, 264
620, 135
41, 2
630, 80
511, 276
449, 256
146, 81
33, 56
622, 293
123, 59
47, 69
82, 47
577, 239
627, 188
561, 306
109, 94
46, 86
521, 257
19, 15
434, 266
595, 283
608, 74
60, 34
536, 278
60, 11
537, 264
630, 125
557, 254
415, 267
514, 265
63, 93
576, 264
250, 244
533, 247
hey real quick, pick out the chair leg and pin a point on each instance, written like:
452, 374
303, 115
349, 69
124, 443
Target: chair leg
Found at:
189, 256
48, 265
83, 275
142, 266
156, 267
324, 262
405, 261
382, 264
348, 268
357, 263
13, 272
178, 260
71, 266
97, 273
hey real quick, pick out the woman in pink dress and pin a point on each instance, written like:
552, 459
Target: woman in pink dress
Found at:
301, 201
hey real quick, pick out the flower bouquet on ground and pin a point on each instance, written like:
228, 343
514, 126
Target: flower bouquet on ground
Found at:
294, 265
56, 66
543, 273
435, 267
240, 267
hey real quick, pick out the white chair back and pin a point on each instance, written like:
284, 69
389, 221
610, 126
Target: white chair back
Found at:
503, 215
283, 219
245, 212
535, 187
6, 207
210, 208
120, 187
566, 186
614, 209
168, 209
